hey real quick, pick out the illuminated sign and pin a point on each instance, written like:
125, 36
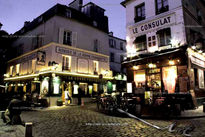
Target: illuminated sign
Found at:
80, 54
129, 87
201, 78
153, 24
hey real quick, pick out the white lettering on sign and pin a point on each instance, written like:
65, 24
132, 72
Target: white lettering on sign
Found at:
153, 24
80, 54
197, 61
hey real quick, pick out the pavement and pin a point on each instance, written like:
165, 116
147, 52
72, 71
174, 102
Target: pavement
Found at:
86, 121
11, 130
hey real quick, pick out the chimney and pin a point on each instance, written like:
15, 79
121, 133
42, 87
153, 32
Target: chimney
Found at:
111, 33
1, 25
26, 23
76, 4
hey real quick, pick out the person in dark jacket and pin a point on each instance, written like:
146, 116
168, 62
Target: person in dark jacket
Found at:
79, 95
13, 111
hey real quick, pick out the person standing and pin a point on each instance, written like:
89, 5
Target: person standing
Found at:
79, 95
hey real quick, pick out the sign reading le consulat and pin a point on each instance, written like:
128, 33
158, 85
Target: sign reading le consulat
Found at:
152, 25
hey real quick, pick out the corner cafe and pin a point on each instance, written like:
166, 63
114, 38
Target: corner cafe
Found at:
151, 25
178, 70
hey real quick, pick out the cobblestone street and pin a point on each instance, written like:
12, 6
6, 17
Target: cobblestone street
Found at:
86, 121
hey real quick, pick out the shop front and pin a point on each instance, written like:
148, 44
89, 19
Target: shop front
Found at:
58, 86
164, 72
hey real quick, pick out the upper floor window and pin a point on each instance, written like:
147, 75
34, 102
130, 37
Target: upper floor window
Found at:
67, 38
37, 41
161, 6
112, 43
66, 63
121, 58
68, 13
121, 46
112, 57
139, 12
164, 37
96, 45
140, 43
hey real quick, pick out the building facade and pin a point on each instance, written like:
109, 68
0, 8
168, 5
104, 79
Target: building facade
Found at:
117, 48
60, 51
165, 45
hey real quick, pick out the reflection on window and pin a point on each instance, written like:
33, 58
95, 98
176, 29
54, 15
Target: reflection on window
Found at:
141, 43
67, 38
161, 6
164, 37
140, 12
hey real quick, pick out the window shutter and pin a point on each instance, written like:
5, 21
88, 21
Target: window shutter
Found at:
60, 37
74, 39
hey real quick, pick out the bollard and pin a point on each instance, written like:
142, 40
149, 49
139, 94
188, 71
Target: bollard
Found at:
203, 106
28, 129
2, 114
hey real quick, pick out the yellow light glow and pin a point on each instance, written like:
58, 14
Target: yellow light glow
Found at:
127, 38
171, 62
152, 65
200, 51
193, 47
174, 42
135, 67
131, 51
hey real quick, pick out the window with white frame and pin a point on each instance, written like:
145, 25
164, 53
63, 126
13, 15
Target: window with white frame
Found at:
152, 41
66, 63
95, 67
67, 38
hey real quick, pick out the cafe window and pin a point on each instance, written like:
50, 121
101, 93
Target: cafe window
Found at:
11, 70
67, 38
164, 37
139, 12
152, 41
66, 63
17, 69
95, 67
140, 43
161, 6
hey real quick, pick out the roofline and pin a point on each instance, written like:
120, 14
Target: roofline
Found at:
93, 4
117, 38
124, 3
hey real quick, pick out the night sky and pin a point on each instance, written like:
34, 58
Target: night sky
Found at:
13, 13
